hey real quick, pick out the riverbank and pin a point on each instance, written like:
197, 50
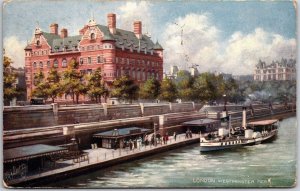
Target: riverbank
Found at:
102, 158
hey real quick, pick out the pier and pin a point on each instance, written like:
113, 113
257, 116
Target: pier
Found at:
99, 158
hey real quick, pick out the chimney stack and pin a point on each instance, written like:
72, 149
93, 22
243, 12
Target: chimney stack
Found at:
137, 28
64, 33
54, 28
111, 22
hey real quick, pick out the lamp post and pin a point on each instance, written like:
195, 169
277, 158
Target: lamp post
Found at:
225, 103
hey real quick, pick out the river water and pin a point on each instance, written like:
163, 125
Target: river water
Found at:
266, 165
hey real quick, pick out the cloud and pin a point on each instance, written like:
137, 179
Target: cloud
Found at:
14, 48
134, 11
200, 43
243, 51
191, 40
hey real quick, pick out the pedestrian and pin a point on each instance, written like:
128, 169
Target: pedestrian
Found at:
164, 139
175, 135
187, 134
167, 138
130, 144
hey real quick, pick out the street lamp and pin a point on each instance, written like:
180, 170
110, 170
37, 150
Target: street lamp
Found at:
225, 102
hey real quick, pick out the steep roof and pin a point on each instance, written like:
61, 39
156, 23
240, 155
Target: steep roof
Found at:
68, 42
50, 37
123, 38
128, 39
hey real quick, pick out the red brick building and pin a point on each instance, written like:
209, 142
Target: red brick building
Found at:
115, 51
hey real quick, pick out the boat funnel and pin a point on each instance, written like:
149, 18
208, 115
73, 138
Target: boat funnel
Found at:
244, 117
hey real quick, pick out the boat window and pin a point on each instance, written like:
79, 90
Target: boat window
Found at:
221, 144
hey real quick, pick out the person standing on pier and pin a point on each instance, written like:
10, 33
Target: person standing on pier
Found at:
175, 135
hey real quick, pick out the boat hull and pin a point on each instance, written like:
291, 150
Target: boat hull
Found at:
205, 147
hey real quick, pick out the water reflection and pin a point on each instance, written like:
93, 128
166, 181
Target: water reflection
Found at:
252, 166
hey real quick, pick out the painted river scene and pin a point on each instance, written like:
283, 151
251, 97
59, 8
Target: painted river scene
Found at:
264, 165
149, 94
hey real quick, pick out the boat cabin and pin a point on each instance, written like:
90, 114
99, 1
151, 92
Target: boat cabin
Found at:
265, 125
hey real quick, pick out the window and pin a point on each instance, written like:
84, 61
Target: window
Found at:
89, 71
93, 37
48, 64
100, 59
41, 64
38, 43
117, 60
64, 63
55, 63
34, 64
81, 61
89, 60
127, 60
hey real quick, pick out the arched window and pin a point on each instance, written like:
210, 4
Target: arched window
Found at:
48, 64
34, 64
64, 63
93, 37
38, 42
55, 63
41, 64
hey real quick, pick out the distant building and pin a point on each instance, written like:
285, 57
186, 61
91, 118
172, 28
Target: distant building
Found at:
225, 76
243, 77
194, 71
276, 71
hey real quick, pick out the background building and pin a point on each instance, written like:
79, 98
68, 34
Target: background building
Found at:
117, 52
276, 71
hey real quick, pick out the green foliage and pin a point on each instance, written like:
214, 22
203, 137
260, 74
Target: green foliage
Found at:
9, 80
73, 81
54, 88
150, 89
184, 83
209, 87
168, 90
124, 88
96, 88
41, 86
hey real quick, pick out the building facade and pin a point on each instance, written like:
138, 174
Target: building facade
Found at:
276, 71
117, 52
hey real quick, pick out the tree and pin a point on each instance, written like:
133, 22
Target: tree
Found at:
96, 88
150, 89
41, 86
168, 90
73, 81
9, 80
184, 83
124, 88
209, 87
53, 84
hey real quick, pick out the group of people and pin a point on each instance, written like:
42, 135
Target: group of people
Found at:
188, 134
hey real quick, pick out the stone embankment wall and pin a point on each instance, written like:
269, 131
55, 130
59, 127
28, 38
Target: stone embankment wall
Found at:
23, 117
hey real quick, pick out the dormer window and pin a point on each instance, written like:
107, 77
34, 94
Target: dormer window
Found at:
93, 36
38, 43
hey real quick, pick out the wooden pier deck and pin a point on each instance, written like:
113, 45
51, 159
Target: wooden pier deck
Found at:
99, 158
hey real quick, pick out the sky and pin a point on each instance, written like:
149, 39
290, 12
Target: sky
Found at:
228, 36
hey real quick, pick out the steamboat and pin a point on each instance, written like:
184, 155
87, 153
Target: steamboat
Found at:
252, 133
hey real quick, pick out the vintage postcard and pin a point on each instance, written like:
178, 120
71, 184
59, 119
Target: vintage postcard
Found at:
149, 94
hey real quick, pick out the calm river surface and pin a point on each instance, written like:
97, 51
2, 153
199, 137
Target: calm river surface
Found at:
265, 165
